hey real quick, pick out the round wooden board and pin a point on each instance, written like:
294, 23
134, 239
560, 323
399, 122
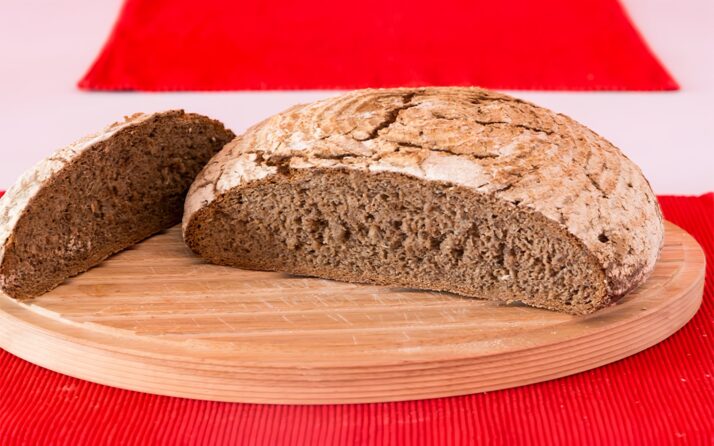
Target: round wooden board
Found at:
157, 319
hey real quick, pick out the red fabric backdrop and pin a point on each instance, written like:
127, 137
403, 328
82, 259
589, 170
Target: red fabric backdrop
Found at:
314, 44
664, 395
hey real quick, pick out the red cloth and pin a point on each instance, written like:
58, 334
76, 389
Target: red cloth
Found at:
314, 44
664, 395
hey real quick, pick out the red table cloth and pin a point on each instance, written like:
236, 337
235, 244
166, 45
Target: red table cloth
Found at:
311, 44
664, 395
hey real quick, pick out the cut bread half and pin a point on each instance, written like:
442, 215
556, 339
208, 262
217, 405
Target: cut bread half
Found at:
100, 195
449, 189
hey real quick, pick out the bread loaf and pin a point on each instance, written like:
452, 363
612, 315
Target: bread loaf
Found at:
100, 195
450, 189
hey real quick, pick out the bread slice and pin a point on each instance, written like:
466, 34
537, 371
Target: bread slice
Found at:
100, 195
450, 189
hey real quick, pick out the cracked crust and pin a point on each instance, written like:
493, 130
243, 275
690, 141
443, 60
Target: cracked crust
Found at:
491, 143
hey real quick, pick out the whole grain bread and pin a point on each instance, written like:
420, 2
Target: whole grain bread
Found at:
100, 195
453, 189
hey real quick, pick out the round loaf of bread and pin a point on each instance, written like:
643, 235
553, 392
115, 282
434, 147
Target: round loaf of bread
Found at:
449, 189
100, 195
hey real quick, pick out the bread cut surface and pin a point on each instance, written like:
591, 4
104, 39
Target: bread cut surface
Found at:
453, 189
100, 195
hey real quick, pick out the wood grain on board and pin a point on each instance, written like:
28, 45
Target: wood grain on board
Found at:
157, 319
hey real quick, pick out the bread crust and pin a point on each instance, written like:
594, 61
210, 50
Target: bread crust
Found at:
489, 142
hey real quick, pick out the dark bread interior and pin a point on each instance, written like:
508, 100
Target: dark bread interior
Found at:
397, 230
112, 195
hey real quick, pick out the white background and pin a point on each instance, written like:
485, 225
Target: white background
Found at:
46, 46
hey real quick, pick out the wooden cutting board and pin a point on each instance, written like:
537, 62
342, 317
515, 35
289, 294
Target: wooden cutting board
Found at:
157, 319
